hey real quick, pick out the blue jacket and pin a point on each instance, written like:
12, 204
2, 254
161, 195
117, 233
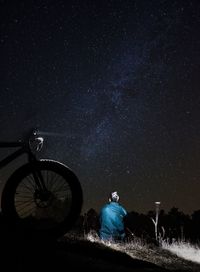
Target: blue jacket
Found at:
111, 222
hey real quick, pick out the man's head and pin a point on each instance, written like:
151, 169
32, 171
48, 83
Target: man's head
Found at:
114, 197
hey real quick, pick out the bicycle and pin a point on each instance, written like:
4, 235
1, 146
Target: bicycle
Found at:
42, 196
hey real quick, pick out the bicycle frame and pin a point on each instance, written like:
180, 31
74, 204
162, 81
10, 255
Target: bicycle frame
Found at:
23, 149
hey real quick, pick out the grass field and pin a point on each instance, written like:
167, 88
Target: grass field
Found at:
177, 256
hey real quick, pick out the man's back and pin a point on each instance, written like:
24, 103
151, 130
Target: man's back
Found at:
111, 220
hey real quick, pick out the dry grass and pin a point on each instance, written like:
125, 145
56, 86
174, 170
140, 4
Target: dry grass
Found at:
182, 256
184, 250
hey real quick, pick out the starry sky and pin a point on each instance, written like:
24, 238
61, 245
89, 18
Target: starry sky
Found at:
114, 87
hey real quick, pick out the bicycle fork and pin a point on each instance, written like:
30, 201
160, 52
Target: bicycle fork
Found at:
37, 175
39, 181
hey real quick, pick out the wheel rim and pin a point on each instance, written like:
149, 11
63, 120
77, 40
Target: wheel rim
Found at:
43, 209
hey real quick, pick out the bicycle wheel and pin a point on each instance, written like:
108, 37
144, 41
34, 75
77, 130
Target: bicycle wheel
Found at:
52, 212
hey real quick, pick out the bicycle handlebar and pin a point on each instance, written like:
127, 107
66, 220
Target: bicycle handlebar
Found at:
39, 141
35, 142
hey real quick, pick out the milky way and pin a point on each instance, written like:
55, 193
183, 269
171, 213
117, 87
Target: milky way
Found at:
114, 87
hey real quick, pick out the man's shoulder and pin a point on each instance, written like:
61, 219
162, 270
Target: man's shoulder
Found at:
106, 206
123, 209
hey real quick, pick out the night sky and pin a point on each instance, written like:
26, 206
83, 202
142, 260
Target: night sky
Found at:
115, 87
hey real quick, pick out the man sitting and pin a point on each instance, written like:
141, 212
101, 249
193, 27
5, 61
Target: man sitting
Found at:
112, 220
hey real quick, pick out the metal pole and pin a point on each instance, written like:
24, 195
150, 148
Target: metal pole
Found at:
157, 203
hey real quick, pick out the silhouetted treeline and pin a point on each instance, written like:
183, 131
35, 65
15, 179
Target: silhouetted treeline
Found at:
173, 225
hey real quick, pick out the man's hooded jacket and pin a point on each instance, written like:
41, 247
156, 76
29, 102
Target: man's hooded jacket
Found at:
112, 221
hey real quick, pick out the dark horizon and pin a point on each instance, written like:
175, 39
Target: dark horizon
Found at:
166, 211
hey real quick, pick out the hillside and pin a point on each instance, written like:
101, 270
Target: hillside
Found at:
74, 253
137, 255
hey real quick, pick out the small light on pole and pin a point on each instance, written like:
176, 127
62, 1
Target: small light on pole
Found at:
155, 221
